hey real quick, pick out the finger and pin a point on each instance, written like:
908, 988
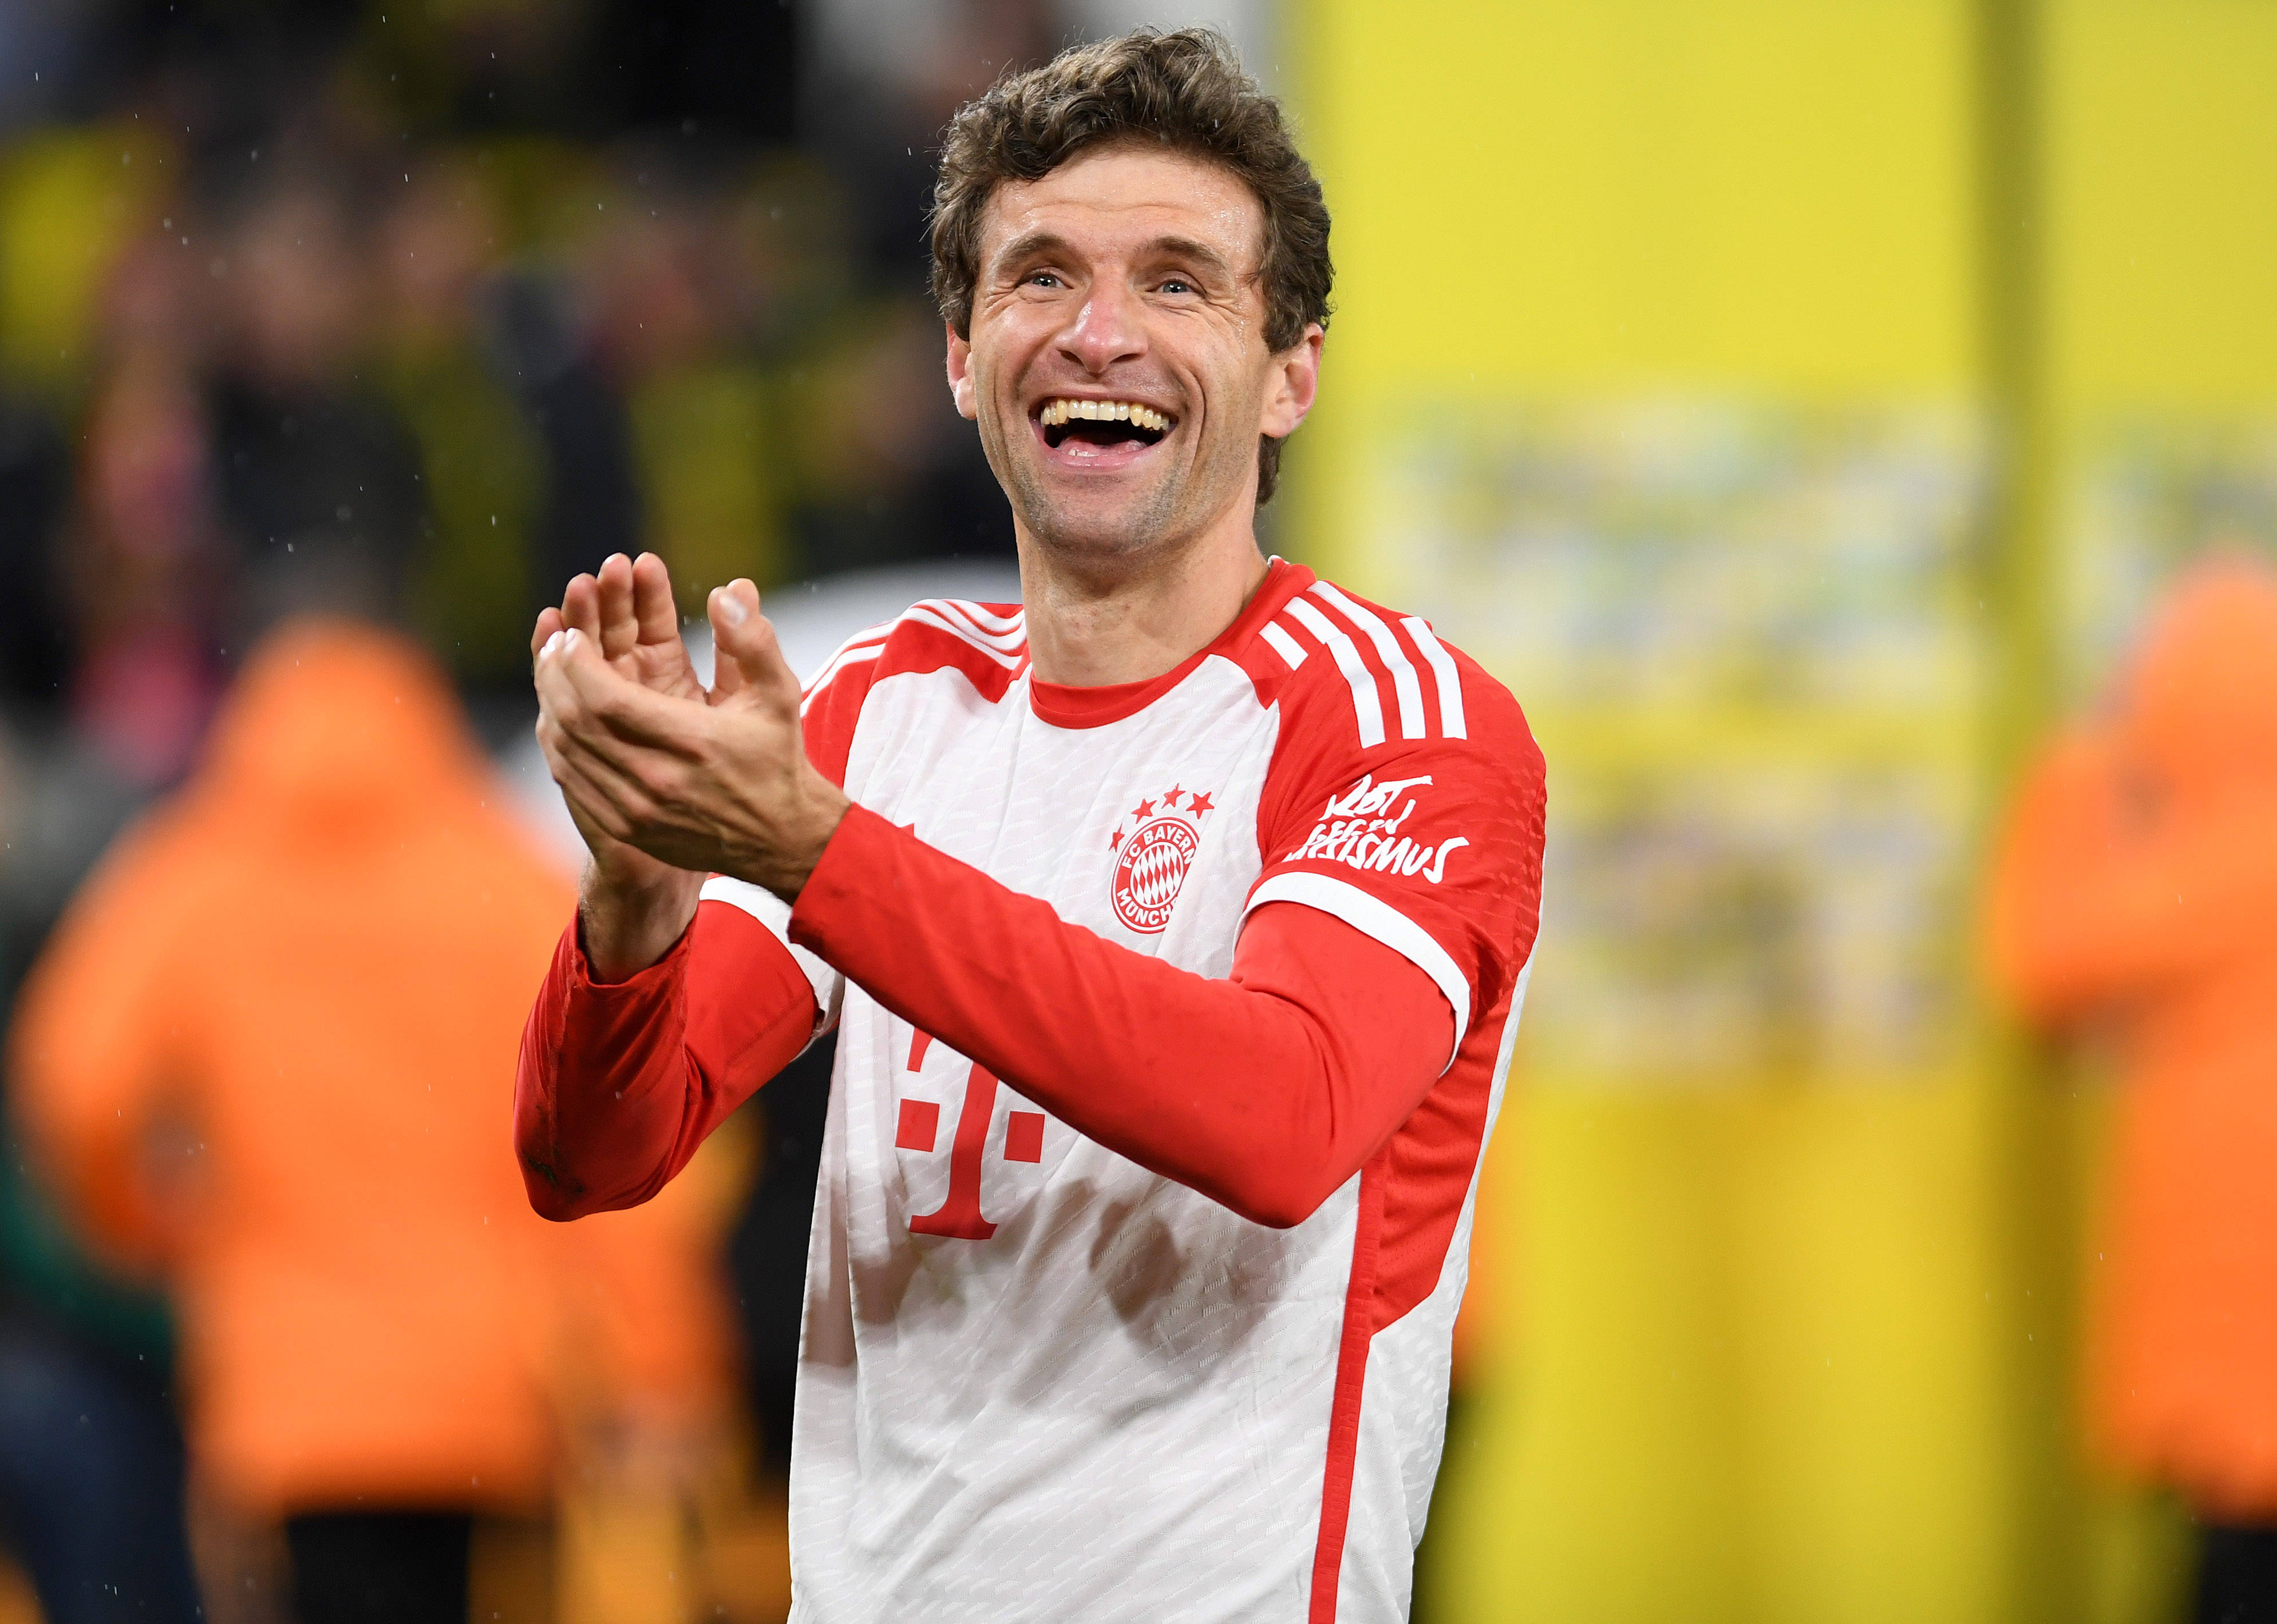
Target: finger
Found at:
564, 765
620, 631
593, 701
594, 809
610, 762
602, 778
723, 608
744, 637
598, 818
656, 618
560, 763
581, 605
564, 707
550, 624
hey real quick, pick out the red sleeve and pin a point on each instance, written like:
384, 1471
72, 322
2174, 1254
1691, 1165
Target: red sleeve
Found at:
620, 1082
1264, 1092
1428, 840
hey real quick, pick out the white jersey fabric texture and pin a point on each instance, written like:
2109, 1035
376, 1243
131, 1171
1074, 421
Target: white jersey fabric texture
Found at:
1037, 1381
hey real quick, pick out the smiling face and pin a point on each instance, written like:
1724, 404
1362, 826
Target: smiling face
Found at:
1116, 362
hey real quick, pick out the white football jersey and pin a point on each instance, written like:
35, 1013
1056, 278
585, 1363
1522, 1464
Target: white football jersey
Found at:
1037, 1381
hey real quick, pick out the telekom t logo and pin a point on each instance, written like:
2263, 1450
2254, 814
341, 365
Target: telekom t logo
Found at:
919, 1129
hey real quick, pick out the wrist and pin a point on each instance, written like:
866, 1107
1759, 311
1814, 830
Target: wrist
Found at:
628, 922
788, 864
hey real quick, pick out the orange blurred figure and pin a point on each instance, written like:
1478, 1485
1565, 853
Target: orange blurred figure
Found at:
269, 1055
2136, 891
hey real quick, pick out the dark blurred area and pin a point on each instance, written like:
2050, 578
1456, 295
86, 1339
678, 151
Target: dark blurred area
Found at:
495, 287
400, 314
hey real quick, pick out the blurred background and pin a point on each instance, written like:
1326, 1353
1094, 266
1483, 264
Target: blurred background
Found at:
1832, 420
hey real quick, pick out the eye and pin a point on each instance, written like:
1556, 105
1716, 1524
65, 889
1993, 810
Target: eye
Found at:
1042, 279
1177, 285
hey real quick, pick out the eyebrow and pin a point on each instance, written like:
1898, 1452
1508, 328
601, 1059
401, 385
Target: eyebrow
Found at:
1044, 244
1034, 244
1186, 248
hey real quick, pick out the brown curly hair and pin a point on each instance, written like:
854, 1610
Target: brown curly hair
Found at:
1184, 90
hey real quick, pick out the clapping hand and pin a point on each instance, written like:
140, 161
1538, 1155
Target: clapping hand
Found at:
626, 613
667, 780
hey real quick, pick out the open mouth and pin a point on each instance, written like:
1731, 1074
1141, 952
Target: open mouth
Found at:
1107, 424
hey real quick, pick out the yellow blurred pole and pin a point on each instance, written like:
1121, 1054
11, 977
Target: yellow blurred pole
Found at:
2035, 1202
2014, 348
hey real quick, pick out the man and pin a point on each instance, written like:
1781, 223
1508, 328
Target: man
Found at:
2135, 897
1175, 922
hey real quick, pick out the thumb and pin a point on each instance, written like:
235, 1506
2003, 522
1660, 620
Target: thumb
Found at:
746, 659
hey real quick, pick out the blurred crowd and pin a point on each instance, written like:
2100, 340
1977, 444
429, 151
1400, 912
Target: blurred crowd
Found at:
334, 337
463, 287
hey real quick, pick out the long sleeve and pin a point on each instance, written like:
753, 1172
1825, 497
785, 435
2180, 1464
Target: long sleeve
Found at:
1265, 1091
619, 1083
1393, 915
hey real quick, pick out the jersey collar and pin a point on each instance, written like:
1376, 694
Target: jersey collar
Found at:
1069, 707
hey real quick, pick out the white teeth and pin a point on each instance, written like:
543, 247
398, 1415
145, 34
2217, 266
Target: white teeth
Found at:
1057, 413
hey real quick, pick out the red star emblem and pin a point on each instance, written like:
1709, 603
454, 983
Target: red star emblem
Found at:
1199, 802
1115, 841
1146, 811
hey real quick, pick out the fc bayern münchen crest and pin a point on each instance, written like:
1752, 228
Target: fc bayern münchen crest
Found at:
1154, 846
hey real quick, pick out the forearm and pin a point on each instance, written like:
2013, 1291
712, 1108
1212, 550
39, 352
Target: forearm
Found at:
619, 1083
1258, 1091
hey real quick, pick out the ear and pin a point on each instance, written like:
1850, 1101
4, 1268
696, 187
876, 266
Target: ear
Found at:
961, 386
1294, 380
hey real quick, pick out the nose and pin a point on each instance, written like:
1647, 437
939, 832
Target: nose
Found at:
1109, 327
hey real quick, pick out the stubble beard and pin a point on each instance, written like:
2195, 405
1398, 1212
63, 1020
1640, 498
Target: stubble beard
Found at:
1141, 525
1152, 524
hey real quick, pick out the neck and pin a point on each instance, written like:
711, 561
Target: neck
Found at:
1094, 624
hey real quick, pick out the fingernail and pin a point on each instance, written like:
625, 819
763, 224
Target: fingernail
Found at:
552, 644
569, 639
731, 607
